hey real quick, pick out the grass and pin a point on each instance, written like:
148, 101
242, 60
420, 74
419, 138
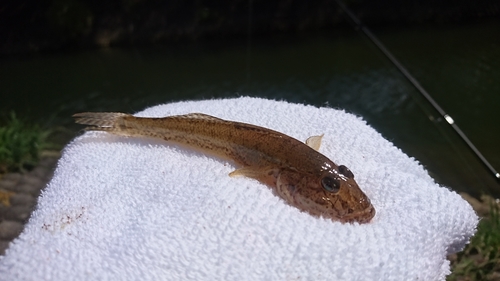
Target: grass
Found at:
480, 260
20, 144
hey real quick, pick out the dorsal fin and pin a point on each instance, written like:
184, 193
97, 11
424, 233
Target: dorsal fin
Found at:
314, 142
199, 116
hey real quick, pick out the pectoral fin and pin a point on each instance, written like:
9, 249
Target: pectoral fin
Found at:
245, 171
266, 175
314, 142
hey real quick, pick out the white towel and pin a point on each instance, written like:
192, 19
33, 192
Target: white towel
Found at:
123, 208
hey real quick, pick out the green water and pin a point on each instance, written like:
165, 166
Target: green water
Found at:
460, 68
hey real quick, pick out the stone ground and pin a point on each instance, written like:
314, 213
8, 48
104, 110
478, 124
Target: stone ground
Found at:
18, 197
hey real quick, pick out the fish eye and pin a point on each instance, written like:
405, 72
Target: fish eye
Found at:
346, 172
330, 184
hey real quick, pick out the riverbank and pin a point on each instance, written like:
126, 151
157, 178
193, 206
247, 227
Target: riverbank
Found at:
47, 26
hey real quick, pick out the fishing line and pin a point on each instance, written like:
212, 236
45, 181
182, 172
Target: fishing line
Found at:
249, 44
419, 87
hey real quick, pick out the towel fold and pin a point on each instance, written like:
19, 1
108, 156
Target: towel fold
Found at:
123, 208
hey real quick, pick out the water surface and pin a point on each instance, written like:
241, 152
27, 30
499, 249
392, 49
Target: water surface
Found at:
459, 66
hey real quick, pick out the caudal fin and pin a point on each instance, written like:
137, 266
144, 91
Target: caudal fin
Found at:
99, 121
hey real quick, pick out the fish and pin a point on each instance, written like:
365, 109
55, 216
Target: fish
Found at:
294, 170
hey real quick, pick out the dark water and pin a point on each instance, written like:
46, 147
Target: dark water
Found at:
459, 66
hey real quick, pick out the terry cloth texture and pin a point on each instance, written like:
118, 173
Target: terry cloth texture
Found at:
123, 208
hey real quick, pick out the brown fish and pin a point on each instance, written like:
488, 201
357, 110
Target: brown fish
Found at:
299, 174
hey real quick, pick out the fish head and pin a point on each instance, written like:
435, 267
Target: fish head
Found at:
333, 193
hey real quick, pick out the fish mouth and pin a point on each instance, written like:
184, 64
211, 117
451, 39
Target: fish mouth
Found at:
363, 216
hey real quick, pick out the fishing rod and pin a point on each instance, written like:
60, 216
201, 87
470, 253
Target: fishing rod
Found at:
419, 87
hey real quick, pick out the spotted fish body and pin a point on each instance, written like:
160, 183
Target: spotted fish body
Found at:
296, 171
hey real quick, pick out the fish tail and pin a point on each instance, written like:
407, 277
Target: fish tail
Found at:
101, 121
